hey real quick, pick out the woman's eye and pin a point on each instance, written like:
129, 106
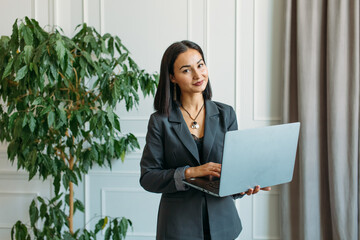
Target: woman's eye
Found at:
186, 71
200, 65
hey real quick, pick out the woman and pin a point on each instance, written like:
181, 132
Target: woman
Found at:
185, 139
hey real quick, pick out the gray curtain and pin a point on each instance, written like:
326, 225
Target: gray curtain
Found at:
321, 90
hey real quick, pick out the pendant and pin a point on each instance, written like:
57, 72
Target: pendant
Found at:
195, 125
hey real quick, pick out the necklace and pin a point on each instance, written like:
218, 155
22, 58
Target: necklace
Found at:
194, 124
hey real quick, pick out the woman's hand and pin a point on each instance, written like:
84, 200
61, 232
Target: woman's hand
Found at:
208, 169
256, 190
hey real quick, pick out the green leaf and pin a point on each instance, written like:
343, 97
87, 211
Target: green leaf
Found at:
20, 231
28, 35
43, 210
25, 121
14, 42
37, 101
94, 153
117, 124
108, 233
18, 131
68, 236
111, 46
72, 177
46, 110
110, 115
100, 225
65, 181
79, 205
56, 184
34, 213
62, 115
122, 156
51, 119
32, 166
123, 227
60, 49
55, 199
74, 127
28, 53
93, 122
122, 58
21, 73
78, 117
88, 58
32, 123
54, 72
8, 68
116, 235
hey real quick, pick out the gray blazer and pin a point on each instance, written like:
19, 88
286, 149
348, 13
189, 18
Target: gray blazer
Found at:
169, 150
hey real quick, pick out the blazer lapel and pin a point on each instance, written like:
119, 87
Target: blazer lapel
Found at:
182, 131
211, 126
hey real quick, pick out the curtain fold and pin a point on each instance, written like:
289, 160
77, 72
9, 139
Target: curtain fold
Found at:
321, 90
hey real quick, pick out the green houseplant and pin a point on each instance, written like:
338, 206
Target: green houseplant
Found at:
58, 118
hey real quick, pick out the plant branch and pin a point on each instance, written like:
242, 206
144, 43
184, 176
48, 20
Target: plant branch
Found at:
61, 154
71, 198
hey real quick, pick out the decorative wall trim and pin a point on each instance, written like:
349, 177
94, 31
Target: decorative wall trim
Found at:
135, 118
13, 174
56, 19
33, 9
18, 193
101, 16
85, 10
123, 190
35, 194
141, 234
206, 32
5, 226
256, 116
266, 119
236, 75
87, 201
189, 19
50, 13
253, 230
3, 147
114, 173
266, 238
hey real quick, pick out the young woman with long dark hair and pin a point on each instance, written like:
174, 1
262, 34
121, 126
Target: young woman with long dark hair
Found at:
185, 139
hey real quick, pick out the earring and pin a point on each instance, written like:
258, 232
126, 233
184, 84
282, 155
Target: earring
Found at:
174, 94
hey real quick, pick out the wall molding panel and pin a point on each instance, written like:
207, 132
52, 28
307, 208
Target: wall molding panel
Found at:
126, 191
102, 14
12, 209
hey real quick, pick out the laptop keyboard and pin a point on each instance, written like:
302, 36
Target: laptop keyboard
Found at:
214, 184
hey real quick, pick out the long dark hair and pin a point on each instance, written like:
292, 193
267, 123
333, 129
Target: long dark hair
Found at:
164, 99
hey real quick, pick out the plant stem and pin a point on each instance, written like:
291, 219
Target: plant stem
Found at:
71, 207
71, 198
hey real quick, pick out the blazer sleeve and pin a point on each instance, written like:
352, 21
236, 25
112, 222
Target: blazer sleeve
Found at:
154, 177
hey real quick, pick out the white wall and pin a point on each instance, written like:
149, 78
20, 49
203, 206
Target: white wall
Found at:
242, 41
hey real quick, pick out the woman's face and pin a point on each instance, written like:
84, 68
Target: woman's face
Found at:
190, 72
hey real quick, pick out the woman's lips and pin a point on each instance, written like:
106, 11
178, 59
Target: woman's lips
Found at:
199, 83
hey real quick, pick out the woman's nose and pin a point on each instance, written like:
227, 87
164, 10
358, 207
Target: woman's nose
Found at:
196, 74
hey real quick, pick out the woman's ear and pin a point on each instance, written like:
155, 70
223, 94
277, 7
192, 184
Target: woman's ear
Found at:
172, 78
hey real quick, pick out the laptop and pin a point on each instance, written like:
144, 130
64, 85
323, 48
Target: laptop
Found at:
260, 156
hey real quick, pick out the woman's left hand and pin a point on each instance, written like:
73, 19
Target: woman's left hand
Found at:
257, 188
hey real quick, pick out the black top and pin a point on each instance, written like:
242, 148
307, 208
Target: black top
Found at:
205, 217
199, 143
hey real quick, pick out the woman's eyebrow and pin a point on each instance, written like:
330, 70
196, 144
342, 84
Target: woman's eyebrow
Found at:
189, 65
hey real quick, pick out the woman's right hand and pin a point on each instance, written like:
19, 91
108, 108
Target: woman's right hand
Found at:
207, 169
